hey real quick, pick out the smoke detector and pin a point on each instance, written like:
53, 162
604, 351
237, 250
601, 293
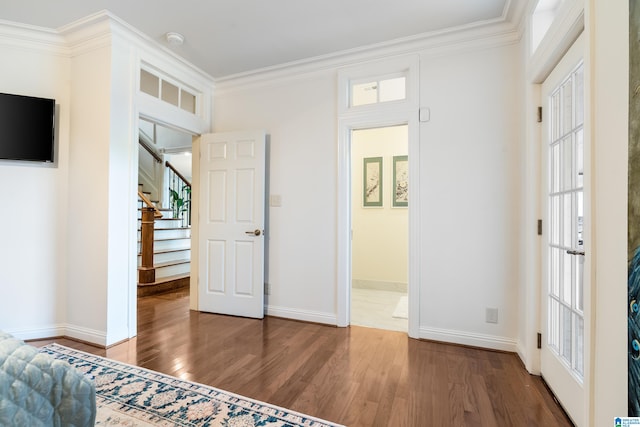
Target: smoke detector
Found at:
174, 39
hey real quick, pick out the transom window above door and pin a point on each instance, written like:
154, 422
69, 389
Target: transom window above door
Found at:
380, 87
168, 91
372, 91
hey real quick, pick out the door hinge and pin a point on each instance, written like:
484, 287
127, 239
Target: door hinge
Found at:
539, 340
539, 227
539, 114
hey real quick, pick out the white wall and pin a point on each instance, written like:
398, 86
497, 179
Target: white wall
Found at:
380, 242
609, 74
34, 215
469, 180
471, 195
299, 116
89, 195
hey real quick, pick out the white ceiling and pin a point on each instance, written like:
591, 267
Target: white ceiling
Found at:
227, 37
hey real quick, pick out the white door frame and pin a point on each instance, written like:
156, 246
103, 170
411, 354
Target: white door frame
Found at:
345, 127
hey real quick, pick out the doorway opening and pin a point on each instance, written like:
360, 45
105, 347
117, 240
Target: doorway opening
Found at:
164, 192
379, 227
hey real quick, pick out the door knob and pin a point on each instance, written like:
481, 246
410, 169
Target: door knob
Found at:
255, 232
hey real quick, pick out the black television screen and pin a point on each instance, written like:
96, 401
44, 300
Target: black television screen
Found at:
26, 128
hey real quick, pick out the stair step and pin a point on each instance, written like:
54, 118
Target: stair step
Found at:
164, 223
170, 233
168, 244
164, 284
172, 268
168, 255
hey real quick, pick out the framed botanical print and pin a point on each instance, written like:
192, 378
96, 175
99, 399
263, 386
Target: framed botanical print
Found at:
372, 182
400, 181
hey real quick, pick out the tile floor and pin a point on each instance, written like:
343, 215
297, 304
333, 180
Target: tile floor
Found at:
374, 308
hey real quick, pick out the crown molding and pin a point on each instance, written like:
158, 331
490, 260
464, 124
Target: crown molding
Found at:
445, 44
505, 30
31, 37
97, 30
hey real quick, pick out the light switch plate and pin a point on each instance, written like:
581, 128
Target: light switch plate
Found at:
275, 201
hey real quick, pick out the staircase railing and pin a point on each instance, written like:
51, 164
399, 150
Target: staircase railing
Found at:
179, 195
149, 204
150, 150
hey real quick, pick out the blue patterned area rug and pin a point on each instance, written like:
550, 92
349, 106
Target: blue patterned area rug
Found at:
134, 397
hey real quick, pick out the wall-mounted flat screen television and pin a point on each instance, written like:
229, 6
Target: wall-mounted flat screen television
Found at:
27, 128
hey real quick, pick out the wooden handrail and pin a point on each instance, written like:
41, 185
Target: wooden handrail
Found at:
150, 150
170, 166
149, 203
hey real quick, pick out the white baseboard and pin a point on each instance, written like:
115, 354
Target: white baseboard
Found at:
37, 333
304, 315
470, 339
88, 335
53, 331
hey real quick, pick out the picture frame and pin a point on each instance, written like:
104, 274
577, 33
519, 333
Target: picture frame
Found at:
400, 181
372, 182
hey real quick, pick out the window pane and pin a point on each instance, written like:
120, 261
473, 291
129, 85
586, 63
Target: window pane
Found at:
579, 345
567, 221
579, 283
554, 315
567, 164
187, 101
555, 220
579, 136
580, 219
364, 93
567, 274
555, 116
566, 320
170, 93
554, 270
149, 83
567, 107
579, 96
555, 168
393, 89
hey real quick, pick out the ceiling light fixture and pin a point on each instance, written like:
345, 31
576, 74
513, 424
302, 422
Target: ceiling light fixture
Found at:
174, 39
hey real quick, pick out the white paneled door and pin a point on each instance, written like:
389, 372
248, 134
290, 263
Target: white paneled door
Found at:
231, 218
563, 350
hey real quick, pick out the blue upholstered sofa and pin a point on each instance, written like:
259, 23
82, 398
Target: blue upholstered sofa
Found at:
38, 390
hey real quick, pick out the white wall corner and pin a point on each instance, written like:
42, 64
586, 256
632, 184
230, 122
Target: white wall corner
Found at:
529, 364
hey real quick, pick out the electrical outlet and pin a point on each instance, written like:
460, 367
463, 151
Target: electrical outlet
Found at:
492, 315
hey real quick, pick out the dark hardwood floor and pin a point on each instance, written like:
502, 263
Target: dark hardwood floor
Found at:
354, 376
